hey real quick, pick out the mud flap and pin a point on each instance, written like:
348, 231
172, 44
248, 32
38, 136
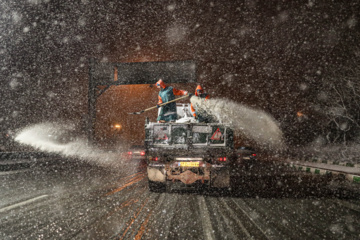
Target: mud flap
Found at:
220, 178
156, 174
157, 187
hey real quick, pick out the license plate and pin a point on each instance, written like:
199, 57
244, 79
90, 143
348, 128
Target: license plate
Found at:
189, 164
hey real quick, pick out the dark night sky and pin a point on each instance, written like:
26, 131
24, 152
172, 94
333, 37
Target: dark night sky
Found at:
272, 55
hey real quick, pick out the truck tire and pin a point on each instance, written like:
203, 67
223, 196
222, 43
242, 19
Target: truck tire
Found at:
157, 187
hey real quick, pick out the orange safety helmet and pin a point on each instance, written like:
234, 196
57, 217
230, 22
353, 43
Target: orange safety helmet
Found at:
199, 90
160, 84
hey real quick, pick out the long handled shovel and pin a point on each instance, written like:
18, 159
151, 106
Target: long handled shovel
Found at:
160, 105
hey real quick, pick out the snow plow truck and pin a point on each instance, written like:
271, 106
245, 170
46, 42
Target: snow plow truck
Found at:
188, 155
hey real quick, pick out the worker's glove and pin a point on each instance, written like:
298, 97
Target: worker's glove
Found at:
157, 105
190, 94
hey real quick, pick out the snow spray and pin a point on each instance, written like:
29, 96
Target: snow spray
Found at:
255, 124
46, 137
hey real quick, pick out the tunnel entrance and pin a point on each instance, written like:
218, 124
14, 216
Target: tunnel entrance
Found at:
128, 84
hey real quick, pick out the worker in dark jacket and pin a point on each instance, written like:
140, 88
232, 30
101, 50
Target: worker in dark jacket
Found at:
200, 115
168, 112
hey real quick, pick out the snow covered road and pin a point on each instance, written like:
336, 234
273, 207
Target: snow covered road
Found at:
72, 200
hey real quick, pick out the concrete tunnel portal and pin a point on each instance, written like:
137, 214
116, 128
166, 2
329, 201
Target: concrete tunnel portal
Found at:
114, 90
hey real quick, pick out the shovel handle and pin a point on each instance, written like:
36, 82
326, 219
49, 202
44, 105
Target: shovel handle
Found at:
174, 100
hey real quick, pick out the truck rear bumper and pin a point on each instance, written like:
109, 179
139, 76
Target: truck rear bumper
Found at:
218, 177
189, 177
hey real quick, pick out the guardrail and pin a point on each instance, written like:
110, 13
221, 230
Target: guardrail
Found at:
338, 163
350, 172
26, 155
20, 160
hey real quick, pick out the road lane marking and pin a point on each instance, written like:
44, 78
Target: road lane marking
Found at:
132, 175
131, 182
159, 208
143, 226
22, 203
13, 172
133, 219
125, 179
238, 221
348, 205
207, 227
250, 218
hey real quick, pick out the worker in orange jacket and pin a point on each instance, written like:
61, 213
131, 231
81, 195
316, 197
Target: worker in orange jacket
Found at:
201, 116
167, 93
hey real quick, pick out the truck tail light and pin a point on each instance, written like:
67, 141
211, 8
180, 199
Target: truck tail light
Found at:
129, 153
142, 153
222, 159
254, 154
153, 158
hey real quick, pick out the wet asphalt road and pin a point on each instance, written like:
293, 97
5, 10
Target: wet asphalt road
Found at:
68, 199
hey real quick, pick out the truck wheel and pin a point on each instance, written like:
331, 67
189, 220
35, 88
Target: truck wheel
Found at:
157, 187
